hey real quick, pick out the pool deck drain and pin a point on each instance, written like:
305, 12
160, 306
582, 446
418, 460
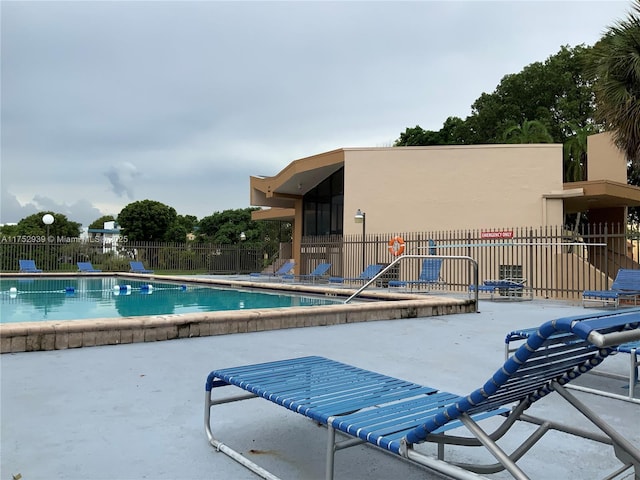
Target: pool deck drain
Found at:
61, 335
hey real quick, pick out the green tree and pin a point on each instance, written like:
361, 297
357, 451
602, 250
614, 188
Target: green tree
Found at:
454, 131
99, 222
9, 230
574, 157
188, 222
61, 226
176, 233
555, 92
183, 225
413, 137
616, 65
225, 227
633, 175
531, 131
574, 152
147, 220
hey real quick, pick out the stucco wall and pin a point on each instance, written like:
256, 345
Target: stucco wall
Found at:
605, 160
452, 187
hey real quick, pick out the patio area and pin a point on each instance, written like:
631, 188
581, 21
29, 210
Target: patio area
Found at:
135, 411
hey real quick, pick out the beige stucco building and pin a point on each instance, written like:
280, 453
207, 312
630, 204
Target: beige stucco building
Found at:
403, 189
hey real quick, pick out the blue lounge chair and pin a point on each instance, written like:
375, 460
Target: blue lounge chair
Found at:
631, 348
86, 267
626, 286
394, 415
508, 288
429, 275
283, 270
138, 267
317, 274
28, 266
490, 289
368, 273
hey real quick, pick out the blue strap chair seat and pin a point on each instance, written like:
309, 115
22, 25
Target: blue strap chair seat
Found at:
429, 275
508, 289
632, 348
279, 273
318, 273
366, 275
28, 266
87, 267
138, 267
394, 414
625, 287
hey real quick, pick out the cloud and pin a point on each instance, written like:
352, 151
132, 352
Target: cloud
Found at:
122, 178
12, 210
104, 103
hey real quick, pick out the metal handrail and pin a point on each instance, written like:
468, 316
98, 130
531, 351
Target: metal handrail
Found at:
404, 257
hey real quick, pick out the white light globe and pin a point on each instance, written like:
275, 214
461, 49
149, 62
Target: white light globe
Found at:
47, 219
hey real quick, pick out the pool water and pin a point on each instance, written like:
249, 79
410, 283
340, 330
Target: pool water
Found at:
32, 300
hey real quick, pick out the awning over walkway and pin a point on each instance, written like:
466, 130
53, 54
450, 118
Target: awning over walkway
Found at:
599, 194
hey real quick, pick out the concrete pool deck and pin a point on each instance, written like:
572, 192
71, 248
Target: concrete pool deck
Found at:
135, 411
380, 305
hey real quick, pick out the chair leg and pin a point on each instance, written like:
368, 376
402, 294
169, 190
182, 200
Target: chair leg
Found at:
633, 372
228, 451
493, 448
624, 450
331, 452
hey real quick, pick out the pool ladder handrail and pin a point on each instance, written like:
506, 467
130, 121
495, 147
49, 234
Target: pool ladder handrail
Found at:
473, 262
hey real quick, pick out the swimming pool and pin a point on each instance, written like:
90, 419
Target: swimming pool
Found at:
32, 300
46, 334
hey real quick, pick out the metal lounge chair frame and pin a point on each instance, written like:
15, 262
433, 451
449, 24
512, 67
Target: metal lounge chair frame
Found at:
318, 273
87, 267
631, 348
28, 266
429, 275
367, 274
507, 288
626, 286
394, 415
279, 273
138, 267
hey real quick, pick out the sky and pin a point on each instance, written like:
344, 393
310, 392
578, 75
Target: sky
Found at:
108, 103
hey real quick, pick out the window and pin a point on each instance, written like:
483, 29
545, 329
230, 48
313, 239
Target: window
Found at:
510, 272
323, 206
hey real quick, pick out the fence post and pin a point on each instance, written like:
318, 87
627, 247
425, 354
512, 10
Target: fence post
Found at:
606, 253
530, 279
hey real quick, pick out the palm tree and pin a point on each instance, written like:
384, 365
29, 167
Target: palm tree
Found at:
575, 152
616, 65
531, 131
575, 161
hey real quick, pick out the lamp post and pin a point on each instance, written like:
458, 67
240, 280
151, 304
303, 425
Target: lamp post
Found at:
48, 219
361, 217
242, 237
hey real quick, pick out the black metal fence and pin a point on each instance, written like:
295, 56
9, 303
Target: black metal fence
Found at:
554, 262
63, 254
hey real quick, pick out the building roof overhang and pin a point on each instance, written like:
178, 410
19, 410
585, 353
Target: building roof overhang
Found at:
593, 194
282, 214
295, 180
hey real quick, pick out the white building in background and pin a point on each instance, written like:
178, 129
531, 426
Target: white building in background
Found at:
109, 236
